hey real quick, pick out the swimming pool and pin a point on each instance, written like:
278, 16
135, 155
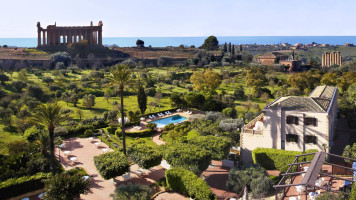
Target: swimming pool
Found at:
169, 120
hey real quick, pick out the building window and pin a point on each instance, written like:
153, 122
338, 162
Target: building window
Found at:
310, 121
292, 120
292, 138
310, 139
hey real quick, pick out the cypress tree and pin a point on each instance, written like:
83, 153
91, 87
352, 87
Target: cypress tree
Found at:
142, 99
225, 47
233, 50
229, 47
240, 47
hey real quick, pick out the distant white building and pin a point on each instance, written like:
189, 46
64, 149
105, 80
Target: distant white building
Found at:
293, 123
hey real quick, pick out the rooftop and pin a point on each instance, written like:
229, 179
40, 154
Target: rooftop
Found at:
318, 101
273, 55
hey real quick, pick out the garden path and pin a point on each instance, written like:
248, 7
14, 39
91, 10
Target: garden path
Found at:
156, 138
170, 196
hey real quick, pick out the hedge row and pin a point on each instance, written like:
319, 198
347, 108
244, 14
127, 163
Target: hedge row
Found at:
186, 182
278, 159
17, 186
143, 133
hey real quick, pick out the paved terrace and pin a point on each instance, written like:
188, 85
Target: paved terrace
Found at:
85, 150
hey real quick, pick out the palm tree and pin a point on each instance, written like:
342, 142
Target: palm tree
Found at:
43, 141
50, 116
122, 77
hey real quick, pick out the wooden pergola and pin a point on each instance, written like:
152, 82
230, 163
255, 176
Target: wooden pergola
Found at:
312, 173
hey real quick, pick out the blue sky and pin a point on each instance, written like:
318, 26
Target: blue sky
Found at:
150, 18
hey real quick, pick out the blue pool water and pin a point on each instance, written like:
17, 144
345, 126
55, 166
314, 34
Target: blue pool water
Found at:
169, 120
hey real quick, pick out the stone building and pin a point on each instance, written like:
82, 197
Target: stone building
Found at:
294, 65
271, 58
293, 123
329, 59
55, 35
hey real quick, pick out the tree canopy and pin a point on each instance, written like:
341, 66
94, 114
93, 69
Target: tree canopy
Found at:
210, 43
140, 43
205, 82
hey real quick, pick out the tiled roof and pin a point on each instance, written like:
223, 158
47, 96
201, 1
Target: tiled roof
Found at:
324, 91
272, 55
318, 101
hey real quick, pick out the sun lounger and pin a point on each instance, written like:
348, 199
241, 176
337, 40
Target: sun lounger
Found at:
162, 114
153, 116
126, 177
169, 112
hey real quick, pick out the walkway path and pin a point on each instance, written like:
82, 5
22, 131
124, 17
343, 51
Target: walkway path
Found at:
156, 138
170, 196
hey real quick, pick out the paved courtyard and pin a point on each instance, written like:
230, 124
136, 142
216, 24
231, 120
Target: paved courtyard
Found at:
85, 150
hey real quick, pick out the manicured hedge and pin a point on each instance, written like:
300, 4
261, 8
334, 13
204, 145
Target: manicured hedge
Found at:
145, 156
187, 156
17, 186
144, 133
186, 182
112, 164
218, 146
278, 159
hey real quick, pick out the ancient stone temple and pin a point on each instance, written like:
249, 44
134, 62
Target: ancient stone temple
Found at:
55, 35
329, 59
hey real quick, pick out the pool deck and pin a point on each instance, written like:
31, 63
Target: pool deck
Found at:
147, 120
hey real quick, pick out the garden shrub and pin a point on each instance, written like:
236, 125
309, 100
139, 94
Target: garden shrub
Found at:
132, 192
219, 147
187, 156
65, 186
254, 177
88, 132
230, 112
17, 186
278, 159
79, 129
143, 133
186, 182
145, 156
112, 164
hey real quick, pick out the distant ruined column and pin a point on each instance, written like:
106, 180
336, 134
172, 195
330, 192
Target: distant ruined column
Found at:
100, 38
44, 38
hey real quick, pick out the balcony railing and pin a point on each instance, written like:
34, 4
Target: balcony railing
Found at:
248, 128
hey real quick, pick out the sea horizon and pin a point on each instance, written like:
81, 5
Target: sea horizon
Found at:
198, 40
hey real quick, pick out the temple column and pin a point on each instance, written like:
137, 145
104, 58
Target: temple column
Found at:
44, 38
327, 59
39, 37
100, 37
89, 37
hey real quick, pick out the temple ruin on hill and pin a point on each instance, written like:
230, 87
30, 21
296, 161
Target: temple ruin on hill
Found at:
55, 35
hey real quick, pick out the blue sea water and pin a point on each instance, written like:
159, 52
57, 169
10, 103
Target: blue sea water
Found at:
198, 41
169, 120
